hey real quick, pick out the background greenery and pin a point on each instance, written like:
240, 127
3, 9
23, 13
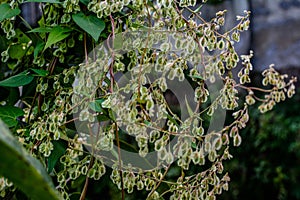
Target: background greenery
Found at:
265, 167
267, 164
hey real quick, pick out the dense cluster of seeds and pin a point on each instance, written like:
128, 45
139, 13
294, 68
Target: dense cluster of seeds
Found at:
89, 95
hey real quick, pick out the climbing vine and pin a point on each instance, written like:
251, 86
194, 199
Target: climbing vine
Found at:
94, 83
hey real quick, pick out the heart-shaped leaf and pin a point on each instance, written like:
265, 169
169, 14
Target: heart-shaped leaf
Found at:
26, 172
89, 23
57, 34
18, 49
9, 115
96, 105
21, 79
7, 12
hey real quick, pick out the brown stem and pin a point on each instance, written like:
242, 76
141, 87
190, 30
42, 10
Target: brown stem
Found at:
52, 65
160, 181
84, 190
120, 163
111, 89
83, 193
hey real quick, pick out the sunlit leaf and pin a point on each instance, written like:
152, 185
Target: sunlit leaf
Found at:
7, 12
19, 48
38, 48
96, 105
22, 169
40, 72
21, 79
89, 23
40, 30
57, 34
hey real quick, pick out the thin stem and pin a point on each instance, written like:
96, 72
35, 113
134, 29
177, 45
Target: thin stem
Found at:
111, 72
84, 190
160, 181
85, 49
253, 88
120, 162
52, 66
83, 193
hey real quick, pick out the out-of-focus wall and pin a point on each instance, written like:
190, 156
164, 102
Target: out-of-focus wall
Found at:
276, 33
31, 12
275, 30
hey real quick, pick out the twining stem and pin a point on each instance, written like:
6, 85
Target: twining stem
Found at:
120, 162
84, 190
253, 88
111, 72
160, 181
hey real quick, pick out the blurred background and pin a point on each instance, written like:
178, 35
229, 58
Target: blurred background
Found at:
267, 164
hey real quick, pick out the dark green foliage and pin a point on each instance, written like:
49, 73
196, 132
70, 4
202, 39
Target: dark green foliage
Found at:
26, 172
269, 158
62, 98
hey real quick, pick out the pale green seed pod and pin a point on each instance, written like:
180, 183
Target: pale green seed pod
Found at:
237, 140
250, 100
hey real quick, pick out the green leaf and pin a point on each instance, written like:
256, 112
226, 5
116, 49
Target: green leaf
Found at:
59, 149
198, 9
137, 25
26, 172
89, 23
197, 77
21, 79
57, 34
147, 123
112, 115
194, 145
21, 37
85, 2
12, 64
9, 115
38, 48
96, 105
40, 30
118, 42
13, 97
102, 118
191, 113
44, 1
40, 72
172, 119
7, 12
18, 49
